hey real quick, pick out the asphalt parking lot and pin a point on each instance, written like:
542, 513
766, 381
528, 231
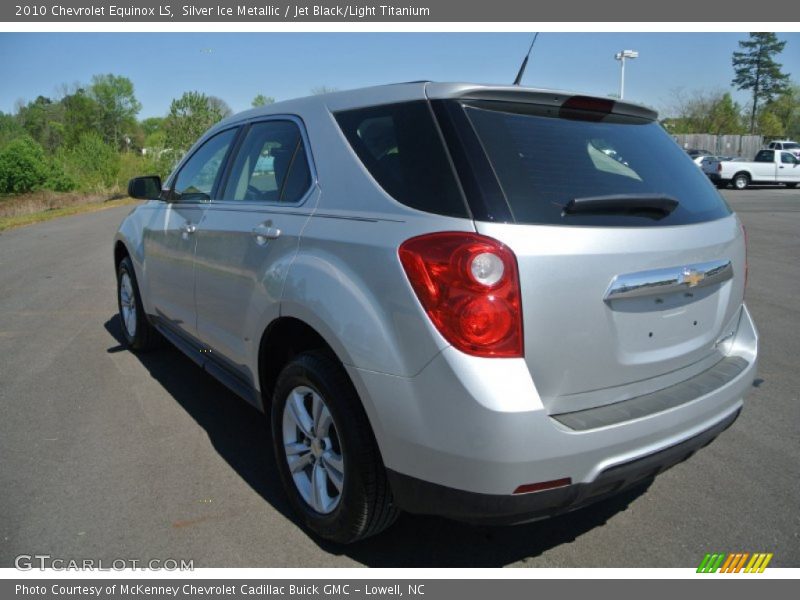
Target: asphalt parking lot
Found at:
107, 455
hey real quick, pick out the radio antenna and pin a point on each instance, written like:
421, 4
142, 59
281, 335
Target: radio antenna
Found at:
518, 80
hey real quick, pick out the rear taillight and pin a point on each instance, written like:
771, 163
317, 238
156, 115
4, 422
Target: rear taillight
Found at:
468, 284
719, 167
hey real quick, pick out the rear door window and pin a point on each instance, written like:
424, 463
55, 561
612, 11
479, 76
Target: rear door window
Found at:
544, 161
401, 147
270, 166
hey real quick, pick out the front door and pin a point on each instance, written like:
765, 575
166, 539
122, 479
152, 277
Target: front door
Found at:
789, 168
170, 238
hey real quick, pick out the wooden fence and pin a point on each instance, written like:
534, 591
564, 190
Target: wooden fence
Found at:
745, 146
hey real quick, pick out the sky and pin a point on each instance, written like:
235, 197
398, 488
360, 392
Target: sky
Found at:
238, 66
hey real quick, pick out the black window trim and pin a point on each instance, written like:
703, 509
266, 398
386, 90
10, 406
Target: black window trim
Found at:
480, 186
246, 126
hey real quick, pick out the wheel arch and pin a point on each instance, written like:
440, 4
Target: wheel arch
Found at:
120, 252
288, 336
742, 172
283, 339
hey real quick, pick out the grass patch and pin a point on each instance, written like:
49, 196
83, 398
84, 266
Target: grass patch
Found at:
17, 211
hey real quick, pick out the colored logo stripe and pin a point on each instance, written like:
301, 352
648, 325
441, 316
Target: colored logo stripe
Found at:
734, 562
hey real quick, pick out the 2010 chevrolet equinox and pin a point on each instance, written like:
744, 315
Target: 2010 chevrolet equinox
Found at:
489, 303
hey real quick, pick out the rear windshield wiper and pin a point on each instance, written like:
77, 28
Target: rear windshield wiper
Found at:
651, 206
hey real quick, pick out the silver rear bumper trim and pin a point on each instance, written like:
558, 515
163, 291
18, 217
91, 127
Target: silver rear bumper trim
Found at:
712, 379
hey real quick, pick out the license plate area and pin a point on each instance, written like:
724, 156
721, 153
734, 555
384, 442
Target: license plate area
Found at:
680, 323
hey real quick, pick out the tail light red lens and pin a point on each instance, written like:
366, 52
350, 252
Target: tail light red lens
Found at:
468, 284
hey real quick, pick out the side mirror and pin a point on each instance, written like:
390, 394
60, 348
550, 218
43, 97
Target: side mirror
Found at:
145, 188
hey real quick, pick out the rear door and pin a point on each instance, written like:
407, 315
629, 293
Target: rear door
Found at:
170, 240
249, 237
631, 264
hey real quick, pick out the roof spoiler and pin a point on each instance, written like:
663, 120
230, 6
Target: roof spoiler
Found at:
552, 98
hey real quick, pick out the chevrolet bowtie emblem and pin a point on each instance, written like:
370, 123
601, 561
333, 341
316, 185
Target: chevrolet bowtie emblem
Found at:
691, 277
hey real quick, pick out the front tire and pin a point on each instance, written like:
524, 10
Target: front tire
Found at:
136, 329
741, 181
327, 456
791, 186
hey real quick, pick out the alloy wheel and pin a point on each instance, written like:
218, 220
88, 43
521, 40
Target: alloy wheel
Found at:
127, 304
312, 450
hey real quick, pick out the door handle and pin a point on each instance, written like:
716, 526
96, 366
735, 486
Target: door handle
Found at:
265, 232
187, 229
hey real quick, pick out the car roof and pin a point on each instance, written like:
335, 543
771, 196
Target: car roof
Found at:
421, 90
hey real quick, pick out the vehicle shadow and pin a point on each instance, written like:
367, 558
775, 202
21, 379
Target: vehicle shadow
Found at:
240, 434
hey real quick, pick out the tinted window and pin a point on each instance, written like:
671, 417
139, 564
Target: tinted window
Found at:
791, 146
196, 179
400, 146
544, 162
766, 156
270, 165
787, 158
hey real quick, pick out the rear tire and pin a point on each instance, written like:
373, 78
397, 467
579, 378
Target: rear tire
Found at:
337, 482
741, 181
136, 329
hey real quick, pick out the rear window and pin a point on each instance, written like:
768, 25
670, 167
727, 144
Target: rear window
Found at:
543, 162
400, 146
765, 156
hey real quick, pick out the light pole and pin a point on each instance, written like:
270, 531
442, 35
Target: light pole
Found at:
621, 56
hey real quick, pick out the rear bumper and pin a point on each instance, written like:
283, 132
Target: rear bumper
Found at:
461, 436
423, 497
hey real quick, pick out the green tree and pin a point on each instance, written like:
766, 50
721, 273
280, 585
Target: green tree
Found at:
786, 108
81, 115
218, 105
704, 112
189, 116
9, 128
724, 116
262, 100
756, 70
769, 125
118, 107
43, 120
92, 162
152, 125
23, 166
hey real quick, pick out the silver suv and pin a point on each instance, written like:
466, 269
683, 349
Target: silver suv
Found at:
489, 303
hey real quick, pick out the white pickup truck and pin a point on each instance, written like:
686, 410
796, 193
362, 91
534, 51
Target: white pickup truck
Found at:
769, 166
